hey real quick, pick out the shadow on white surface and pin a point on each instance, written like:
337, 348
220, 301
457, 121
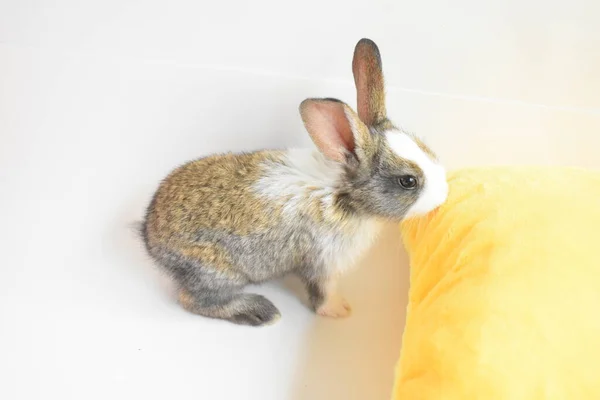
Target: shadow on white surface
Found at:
355, 358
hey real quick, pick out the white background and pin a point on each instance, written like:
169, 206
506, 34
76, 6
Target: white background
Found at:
100, 99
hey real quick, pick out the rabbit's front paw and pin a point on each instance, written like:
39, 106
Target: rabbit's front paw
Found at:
335, 307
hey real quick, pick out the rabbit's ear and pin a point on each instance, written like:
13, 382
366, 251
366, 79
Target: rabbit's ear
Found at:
335, 128
368, 77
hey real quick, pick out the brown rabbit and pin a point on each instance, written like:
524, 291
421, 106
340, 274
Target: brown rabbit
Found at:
225, 221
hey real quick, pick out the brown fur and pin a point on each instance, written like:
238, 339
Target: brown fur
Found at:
186, 300
198, 183
425, 148
209, 253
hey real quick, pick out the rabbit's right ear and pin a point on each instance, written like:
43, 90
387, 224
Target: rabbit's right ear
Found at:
335, 128
368, 78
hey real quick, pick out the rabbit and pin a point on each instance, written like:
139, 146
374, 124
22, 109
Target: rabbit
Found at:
225, 221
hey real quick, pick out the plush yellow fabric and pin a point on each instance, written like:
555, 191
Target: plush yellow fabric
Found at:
504, 298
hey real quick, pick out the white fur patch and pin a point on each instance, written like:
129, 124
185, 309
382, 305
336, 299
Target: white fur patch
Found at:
289, 182
435, 191
302, 169
341, 252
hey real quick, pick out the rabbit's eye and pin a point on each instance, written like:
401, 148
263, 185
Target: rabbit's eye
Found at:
407, 181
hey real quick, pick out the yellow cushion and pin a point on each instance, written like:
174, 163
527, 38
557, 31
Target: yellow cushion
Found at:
504, 296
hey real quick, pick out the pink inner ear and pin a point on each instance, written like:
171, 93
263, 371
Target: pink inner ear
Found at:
361, 77
328, 125
342, 127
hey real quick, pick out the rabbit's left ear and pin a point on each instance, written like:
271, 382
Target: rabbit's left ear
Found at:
335, 128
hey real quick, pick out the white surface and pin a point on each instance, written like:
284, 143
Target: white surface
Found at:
99, 100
